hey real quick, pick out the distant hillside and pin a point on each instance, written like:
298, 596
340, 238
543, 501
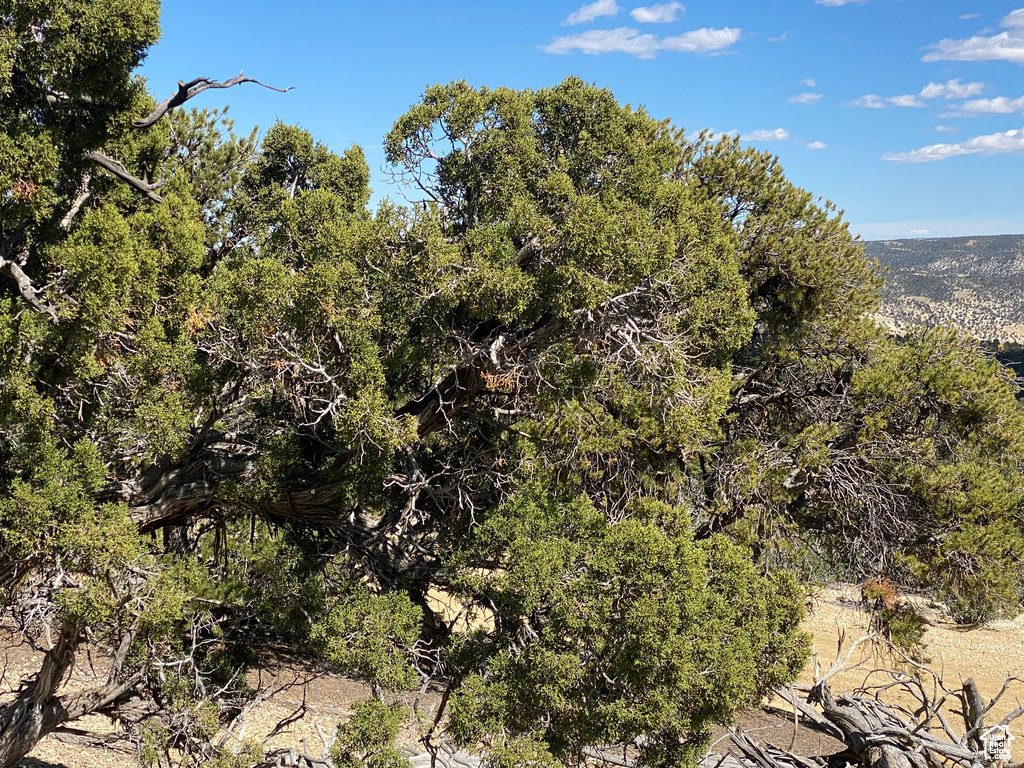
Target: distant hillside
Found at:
973, 283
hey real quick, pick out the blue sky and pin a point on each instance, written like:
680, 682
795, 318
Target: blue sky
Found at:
909, 114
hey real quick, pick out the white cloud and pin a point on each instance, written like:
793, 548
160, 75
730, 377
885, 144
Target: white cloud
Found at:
946, 129
906, 100
621, 40
968, 16
779, 134
808, 82
920, 232
659, 13
817, 145
871, 101
644, 46
1007, 142
1013, 20
834, 3
804, 98
703, 40
778, 38
1000, 105
591, 11
1006, 46
952, 89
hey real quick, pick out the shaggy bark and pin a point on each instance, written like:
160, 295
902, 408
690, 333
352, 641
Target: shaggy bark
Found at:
37, 710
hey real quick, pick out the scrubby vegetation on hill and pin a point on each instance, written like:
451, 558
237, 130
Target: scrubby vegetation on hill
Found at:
971, 283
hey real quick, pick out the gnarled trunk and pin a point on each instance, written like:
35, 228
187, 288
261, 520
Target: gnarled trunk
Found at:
38, 710
32, 714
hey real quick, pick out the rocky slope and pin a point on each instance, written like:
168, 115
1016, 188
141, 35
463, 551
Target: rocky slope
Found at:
972, 283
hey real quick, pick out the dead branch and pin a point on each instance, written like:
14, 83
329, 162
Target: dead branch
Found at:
192, 89
894, 723
83, 738
142, 185
768, 756
809, 712
28, 292
76, 205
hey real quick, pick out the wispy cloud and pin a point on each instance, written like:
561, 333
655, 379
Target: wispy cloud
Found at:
1006, 46
968, 16
817, 145
870, 101
808, 82
804, 98
1000, 105
834, 3
952, 89
644, 46
779, 134
1005, 143
592, 11
660, 13
906, 100
946, 129
778, 38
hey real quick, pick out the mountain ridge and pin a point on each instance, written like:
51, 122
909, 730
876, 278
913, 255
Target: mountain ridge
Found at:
975, 284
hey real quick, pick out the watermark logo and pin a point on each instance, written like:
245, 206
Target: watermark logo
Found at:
997, 743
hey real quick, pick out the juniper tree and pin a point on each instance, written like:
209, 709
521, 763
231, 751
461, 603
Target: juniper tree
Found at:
588, 385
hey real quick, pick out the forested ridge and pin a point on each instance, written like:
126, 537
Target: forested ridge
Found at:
970, 283
613, 390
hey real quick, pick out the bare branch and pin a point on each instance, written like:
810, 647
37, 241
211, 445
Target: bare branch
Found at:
112, 165
77, 203
808, 712
193, 88
14, 271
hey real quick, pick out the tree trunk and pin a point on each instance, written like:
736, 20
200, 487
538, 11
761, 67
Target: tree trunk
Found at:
31, 715
974, 713
866, 740
38, 711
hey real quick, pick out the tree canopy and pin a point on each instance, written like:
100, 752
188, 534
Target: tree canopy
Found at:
610, 390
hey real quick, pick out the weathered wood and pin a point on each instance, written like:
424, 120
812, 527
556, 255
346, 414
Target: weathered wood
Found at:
973, 713
31, 715
192, 89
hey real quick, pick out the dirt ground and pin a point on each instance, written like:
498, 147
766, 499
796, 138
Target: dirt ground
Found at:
989, 654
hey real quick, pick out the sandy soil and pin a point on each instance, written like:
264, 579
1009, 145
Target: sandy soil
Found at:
989, 655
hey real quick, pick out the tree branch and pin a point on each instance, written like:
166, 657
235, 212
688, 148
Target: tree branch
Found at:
28, 291
193, 88
76, 205
112, 165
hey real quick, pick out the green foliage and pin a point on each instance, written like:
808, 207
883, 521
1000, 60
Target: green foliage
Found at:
51, 514
802, 266
370, 636
367, 740
962, 465
79, 54
616, 630
597, 390
894, 618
